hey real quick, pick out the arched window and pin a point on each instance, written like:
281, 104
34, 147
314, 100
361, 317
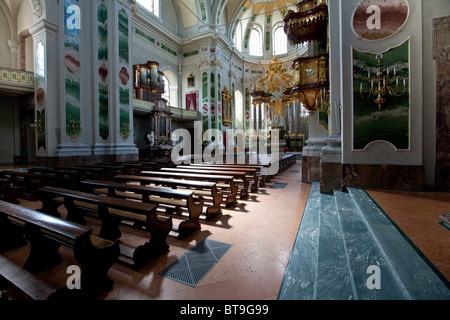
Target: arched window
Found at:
238, 37
239, 107
170, 88
279, 42
166, 94
255, 43
150, 5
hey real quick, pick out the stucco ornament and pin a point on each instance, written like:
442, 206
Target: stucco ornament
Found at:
38, 8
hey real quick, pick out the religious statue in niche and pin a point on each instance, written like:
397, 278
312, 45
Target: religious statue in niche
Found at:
191, 81
150, 138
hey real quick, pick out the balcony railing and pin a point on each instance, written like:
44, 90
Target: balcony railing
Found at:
16, 80
177, 114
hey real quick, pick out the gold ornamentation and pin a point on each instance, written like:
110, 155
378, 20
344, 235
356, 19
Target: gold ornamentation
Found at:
380, 87
312, 81
276, 79
267, 6
227, 112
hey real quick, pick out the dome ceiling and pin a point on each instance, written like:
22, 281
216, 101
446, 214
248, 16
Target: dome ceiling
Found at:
267, 6
259, 11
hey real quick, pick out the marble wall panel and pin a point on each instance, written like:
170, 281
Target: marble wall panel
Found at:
441, 52
392, 177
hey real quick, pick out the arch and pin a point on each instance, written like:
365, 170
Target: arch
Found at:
279, 40
255, 41
218, 9
198, 8
172, 87
10, 20
203, 9
238, 36
236, 17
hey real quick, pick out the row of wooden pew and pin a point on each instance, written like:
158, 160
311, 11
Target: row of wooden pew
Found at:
137, 193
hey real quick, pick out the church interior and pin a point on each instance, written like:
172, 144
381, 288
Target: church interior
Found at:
224, 150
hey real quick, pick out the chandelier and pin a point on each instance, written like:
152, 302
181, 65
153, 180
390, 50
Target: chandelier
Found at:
383, 85
274, 88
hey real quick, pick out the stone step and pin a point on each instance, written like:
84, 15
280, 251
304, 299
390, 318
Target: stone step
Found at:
363, 253
348, 249
414, 274
299, 281
334, 279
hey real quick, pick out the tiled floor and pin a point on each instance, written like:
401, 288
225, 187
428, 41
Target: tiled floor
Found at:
417, 214
262, 230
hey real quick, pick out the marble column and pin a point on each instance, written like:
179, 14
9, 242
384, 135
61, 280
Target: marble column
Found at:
47, 86
441, 45
331, 154
83, 84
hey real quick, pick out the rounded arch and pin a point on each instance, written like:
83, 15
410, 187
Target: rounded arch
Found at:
236, 16
172, 87
255, 40
219, 8
199, 8
237, 38
279, 40
204, 9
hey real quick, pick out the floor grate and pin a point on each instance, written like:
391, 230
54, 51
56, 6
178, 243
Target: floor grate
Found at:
279, 185
195, 264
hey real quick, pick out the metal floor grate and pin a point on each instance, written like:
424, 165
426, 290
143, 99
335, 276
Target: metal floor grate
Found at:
279, 185
195, 264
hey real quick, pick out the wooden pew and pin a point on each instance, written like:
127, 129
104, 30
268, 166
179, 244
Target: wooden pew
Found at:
258, 168
241, 175
89, 172
227, 181
135, 167
249, 171
8, 192
174, 199
29, 182
59, 177
200, 188
112, 211
124, 167
27, 283
46, 234
109, 170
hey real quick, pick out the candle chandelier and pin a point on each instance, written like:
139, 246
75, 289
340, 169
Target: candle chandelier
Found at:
274, 88
383, 84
